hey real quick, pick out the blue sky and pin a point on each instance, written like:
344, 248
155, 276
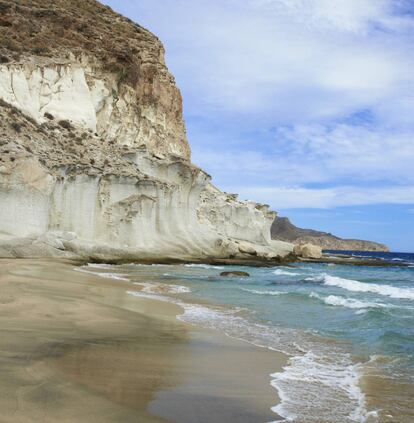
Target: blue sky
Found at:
307, 105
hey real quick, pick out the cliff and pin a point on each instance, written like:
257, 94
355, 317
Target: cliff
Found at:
94, 159
283, 229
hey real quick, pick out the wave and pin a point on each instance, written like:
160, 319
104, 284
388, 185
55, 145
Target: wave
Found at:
317, 375
116, 276
254, 291
230, 323
356, 286
203, 266
146, 265
348, 302
162, 288
334, 384
285, 273
305, 392
100, 265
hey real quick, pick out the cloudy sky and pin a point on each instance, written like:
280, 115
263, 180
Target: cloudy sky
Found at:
307, 105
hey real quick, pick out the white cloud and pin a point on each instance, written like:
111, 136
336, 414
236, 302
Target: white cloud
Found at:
344, 15
282, 61
309, 154
288, 198
289, 94
363, 153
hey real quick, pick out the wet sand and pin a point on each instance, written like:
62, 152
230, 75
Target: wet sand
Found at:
76, 348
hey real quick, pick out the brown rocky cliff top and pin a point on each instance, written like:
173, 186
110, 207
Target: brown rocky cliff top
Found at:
59, 30
53, 28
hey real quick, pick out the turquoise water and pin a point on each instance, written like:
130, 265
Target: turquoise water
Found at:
348, 331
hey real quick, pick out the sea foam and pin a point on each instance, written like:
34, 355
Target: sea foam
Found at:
255, 291
162, 288
309, 384
333, 381
116, 276
203, 266
100, 265
348, 302
356, 286
285, 273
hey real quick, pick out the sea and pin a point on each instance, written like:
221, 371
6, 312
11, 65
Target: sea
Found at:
348, 331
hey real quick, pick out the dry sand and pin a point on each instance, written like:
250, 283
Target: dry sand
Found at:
76, 348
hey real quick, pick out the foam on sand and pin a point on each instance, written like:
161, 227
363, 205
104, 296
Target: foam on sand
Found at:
100, 265
320, 383
162, 288
332, 381
116, 276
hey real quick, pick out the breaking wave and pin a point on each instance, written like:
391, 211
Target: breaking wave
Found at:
348, 302
356, 286
285, 273
203, 266
255, 291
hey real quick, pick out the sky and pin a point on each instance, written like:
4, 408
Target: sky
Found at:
305, 105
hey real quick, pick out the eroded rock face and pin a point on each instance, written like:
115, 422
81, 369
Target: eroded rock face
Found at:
93, 144
135, 215
235, 219
81, 93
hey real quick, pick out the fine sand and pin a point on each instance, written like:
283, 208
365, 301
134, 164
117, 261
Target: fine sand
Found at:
75, 347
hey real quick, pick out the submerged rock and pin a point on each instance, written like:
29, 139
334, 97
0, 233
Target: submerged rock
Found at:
235, 273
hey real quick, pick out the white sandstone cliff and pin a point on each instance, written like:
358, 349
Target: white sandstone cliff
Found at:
98, 167
160, 206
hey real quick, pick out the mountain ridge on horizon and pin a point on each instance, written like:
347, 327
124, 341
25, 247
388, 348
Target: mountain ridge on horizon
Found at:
283, 229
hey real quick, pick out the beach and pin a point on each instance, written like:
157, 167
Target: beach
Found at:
75, 347
346, 330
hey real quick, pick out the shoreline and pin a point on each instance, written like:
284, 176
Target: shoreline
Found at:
77, 347
25, 249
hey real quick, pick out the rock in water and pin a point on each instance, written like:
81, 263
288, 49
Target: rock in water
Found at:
308, 251
93, 142
235, 273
